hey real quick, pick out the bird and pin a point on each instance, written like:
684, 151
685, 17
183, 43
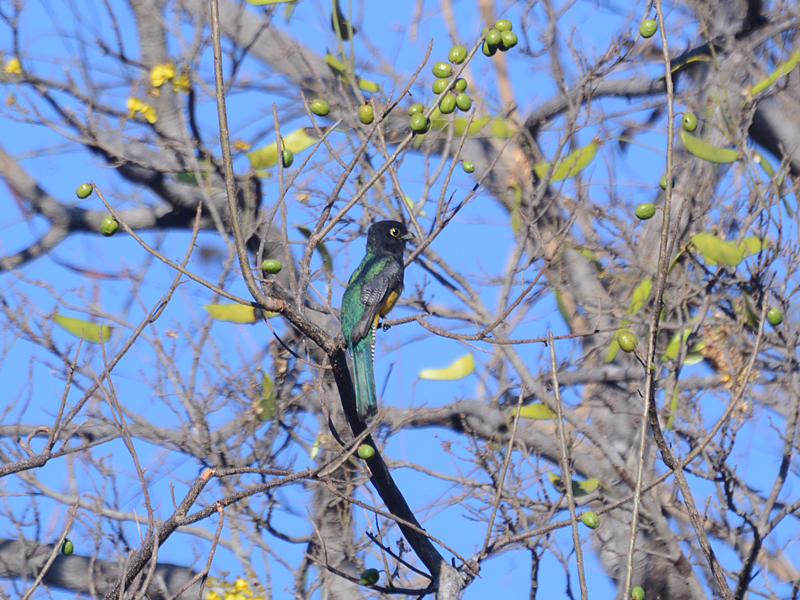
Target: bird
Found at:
372, 291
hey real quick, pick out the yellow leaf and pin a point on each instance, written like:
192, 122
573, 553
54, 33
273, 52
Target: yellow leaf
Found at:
782, 70
266, 405
13, 66
315, 448
263, 2
570, 166
562, 307
232, 313
162, 73
675, 344
613, 350
83, 329
297, 141
458, 370
538, 411
327, 261
459, 124
719, 251
503, 129
706, 151
339, 69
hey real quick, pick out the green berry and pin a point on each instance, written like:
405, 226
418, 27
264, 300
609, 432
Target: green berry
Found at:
689, 122
627, 341
288, 158
662, 183
460, 85
774, 316
448, 104
442, 69
370, 577
645, 211
463, 102
320, 107
108, 226
366, 114
493, 37
489, 50
271, 266
637, 593
84, 190
508, 40
366, 451
457, 54
414, 109
418, 123
440, 85
590, 519
67, 547
648, 28
467, 166
503, 25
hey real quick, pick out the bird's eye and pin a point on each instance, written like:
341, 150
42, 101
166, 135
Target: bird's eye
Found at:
394, 232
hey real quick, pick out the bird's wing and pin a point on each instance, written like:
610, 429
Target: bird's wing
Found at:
374, 293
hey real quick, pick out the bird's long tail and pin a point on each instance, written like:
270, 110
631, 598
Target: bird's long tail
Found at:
366, 398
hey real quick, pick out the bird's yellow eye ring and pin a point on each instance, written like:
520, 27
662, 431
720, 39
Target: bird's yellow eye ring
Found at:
394, 232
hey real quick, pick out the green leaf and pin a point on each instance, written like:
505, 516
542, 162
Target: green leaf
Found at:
516, 217
89, 332
263, 2
640, 296
327, 261
706, 151
189, 177
296, 141
613, 350
503, 129
562, 308
459, 369
570, 166
773, 77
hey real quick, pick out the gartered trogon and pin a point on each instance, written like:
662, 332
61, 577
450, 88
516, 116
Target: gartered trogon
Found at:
371, 293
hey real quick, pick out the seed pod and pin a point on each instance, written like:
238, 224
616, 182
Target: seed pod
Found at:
774, 316
418, 123
457, 54
366, 114
370, 577
84, 191
590, 519
67, 547
440, 85
271, 266
508, 40
645, 211
648, 28
627, 341
366, 451
448, 104
109, 226
463, 102
442, 69
493, 37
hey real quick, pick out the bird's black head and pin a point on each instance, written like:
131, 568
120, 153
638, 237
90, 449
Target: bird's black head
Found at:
388, 237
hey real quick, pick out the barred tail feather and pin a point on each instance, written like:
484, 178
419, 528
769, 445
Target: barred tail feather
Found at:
366, 398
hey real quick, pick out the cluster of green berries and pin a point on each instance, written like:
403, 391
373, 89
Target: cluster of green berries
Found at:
500, 37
